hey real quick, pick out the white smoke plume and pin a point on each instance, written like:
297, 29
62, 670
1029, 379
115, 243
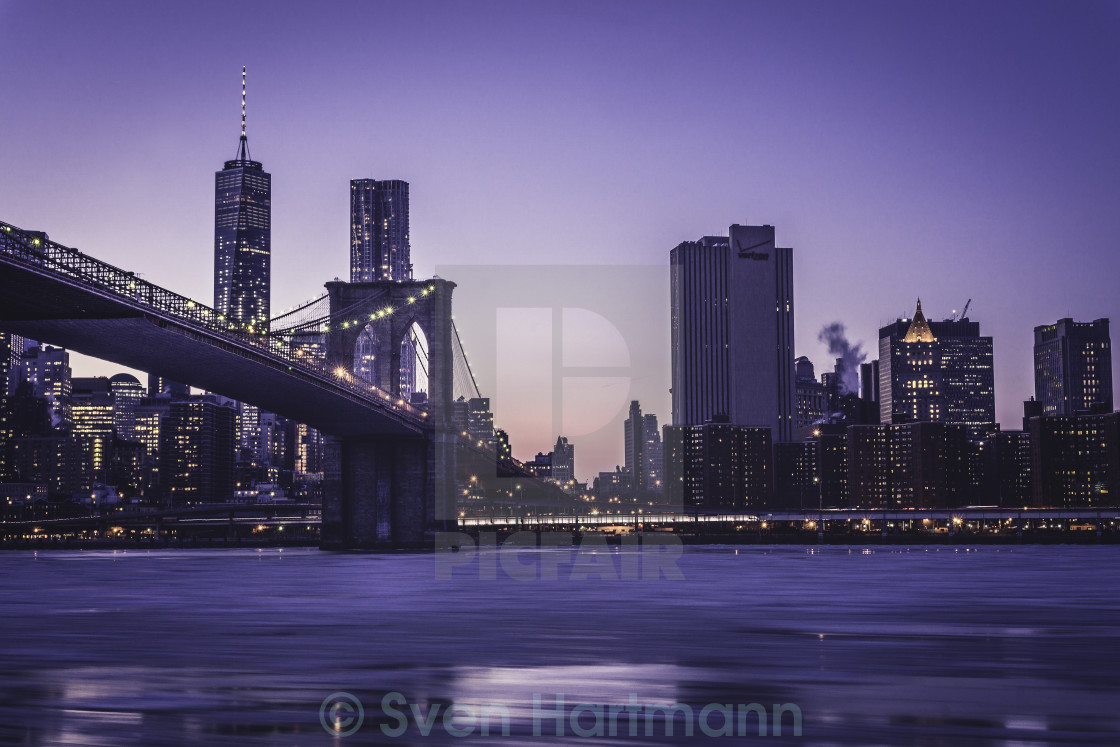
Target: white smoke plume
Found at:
850, 355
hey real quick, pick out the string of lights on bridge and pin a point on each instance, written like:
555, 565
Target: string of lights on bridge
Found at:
37, 251
387, 311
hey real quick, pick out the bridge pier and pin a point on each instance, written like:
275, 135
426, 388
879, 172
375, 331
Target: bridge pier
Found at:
387, 492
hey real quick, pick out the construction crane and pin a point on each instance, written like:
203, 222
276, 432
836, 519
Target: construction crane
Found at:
963, 313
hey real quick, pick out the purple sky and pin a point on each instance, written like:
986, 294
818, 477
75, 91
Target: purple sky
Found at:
945, 150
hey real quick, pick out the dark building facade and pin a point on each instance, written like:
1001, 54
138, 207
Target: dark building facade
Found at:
501, 441
5, 433
718, 466
732, 331
913, 465
53, 460
243, 237
832, 463
198, 448
869, 382
480, 420
633, 434
936, 372
816, 474
1073, 367
643, 450
541, 466
1075, 460
93, 424
564, 461
812, 398
796, 476
1013, 467
379, 243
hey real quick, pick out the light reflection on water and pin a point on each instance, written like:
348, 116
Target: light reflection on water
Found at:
925, 645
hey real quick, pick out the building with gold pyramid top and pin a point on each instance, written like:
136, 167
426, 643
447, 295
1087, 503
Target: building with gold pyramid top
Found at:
936, 372
919, 330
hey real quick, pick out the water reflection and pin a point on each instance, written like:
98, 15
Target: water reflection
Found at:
999, 646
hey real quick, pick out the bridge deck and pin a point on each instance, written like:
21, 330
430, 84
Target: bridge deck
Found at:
44, 304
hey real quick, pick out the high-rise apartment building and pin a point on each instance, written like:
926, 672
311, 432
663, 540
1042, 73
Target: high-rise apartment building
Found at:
92, 412
243, 237
643, 452
480, 420
47, 370
198, 444
563, 461
936, 372
633, 434
718, 465
1013, 468
127, 393
379, 245
1075, 460
308, 453
732, 331
653, 453
1073, 367
151, 415
913, 465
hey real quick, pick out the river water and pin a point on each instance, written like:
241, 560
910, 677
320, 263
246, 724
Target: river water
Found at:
1007, 646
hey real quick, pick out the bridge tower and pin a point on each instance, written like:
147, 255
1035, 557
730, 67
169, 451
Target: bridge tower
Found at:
391, 490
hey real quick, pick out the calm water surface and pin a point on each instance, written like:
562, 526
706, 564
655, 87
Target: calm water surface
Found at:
923, 646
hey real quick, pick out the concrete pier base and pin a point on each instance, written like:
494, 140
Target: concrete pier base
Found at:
387, 492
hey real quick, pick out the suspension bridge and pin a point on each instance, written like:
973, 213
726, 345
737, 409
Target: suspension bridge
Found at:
391, 457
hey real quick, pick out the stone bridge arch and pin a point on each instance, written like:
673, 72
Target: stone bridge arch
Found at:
389, 309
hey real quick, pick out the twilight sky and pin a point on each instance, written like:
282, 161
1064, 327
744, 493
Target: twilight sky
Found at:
947, 150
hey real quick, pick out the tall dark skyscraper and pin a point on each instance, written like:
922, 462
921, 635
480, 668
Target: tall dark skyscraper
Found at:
379, 248
243, 236
634, 443
732, 331
1073, 367
643, 452
198, 446
937, 372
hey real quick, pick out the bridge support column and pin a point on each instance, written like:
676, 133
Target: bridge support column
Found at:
387, 492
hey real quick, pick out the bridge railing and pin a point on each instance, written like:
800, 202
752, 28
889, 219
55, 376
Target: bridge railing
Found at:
34, 249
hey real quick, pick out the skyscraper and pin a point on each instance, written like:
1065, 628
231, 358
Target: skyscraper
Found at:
563, 461
633, 431
936, 372
92, 411
47, 370
243, 237
643, 450
379, 247
732, 330
1073, 367
127, 393
653, 453
198, 444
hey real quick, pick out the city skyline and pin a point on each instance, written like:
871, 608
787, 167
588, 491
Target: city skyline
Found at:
932, 139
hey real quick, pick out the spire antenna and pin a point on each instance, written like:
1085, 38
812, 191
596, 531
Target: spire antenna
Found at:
242, 101
243, 146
